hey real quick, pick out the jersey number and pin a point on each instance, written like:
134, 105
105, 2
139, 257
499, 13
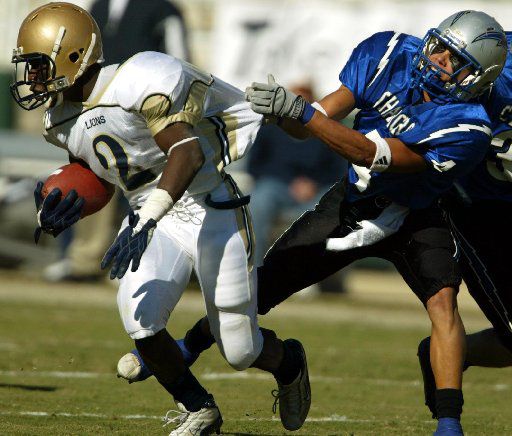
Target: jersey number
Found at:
501, 168
121, 161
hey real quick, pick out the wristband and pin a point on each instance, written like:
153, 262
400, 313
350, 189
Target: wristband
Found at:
382, 159
319, 108
307, 114
158, 203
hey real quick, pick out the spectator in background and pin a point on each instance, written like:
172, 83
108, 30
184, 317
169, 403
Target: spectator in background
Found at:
290, 176
127, 27
131, 26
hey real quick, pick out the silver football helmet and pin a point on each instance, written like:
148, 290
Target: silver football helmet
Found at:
478, 44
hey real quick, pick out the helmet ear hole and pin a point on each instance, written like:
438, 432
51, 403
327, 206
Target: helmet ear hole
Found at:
73, 57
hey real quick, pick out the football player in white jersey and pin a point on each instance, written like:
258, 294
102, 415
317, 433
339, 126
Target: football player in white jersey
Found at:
162, 131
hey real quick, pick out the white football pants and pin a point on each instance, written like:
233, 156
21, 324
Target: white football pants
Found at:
218, 245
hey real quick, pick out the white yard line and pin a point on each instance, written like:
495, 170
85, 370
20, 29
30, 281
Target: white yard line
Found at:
332, 418
314, 378
225, 376
209, 376
55, 374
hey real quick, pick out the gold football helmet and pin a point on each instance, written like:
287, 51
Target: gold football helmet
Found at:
57, 42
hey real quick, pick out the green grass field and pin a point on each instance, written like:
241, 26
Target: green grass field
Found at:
60, 344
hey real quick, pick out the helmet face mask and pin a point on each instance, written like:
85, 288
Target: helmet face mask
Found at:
436, 80
56, 44
34, 75
478, 49
435, 45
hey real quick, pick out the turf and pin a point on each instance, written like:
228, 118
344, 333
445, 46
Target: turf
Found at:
60, 345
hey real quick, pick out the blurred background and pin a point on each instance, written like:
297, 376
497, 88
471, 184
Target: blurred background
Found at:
61, 335
303, 43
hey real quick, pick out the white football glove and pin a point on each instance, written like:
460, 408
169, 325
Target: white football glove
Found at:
273, 99
129, 368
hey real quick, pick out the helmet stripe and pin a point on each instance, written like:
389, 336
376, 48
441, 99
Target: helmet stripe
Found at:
459, 16
87, 55
498, 36
58, 41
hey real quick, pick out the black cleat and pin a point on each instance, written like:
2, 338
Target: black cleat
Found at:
294, 399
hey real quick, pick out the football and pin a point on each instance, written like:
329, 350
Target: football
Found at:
96, 192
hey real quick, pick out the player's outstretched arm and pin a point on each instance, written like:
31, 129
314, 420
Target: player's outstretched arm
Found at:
367, 151
376, 153
336, 105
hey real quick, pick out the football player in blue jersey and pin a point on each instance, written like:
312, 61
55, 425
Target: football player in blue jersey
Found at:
479, 213
418, 130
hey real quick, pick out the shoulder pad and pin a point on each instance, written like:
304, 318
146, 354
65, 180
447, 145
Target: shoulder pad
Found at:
144, 75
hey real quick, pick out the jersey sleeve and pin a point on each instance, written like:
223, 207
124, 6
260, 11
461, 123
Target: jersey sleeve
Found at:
365, 61
452, 147
170, 91
161, 110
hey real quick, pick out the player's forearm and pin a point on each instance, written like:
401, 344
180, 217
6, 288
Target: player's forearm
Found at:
349, 143
336, 105
293, 128
182, 165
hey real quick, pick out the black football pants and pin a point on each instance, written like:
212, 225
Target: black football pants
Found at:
484, 236
422, 250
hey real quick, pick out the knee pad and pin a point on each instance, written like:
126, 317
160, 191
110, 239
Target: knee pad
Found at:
234, 324
240, 340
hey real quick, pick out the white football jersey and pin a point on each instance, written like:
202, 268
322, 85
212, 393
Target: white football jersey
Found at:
113, 130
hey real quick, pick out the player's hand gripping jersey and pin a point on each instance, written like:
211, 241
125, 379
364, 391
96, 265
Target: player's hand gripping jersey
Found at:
492, 179
113, 131
453, 137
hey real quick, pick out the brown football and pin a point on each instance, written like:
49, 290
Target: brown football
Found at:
96, 192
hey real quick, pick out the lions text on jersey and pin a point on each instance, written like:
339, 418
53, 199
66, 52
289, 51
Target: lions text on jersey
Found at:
113, 131
451, 136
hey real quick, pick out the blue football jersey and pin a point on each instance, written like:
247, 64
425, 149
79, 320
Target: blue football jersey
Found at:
452, 136
492, 179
